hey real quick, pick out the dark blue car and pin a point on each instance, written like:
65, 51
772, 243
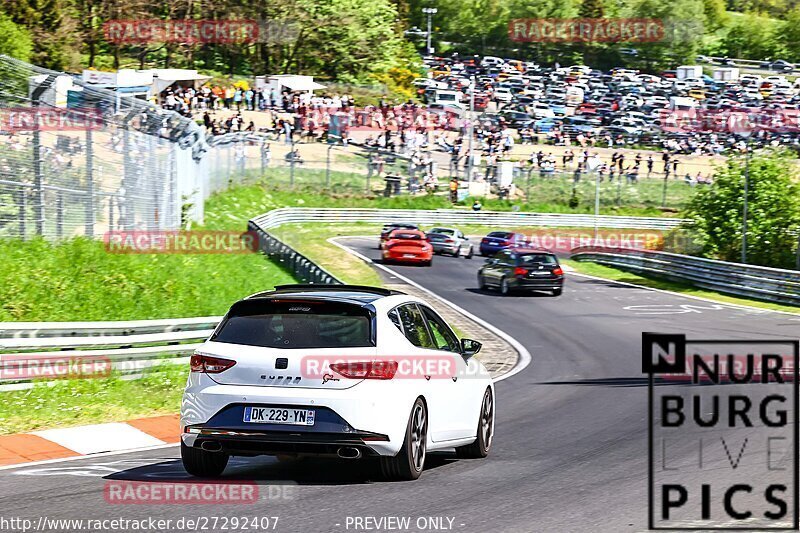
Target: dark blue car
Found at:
500, 240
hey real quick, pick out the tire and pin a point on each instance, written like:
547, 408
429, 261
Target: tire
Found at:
470, 253
409, 462
505, 290
201, 463
481, 283
558, 291
483, 442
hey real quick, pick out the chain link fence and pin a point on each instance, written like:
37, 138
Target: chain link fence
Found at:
77, 160
335, 167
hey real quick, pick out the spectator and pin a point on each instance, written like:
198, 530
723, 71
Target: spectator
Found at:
248, 98
453, 189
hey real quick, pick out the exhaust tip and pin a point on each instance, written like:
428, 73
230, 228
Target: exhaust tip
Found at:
211, 446
348, 452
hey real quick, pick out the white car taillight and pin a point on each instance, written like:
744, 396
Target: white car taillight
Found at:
209, 364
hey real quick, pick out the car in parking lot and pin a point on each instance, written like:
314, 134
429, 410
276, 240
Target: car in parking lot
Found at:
450, 241
503, 94
515, 119
335, 370
496, 241
522, 269
541, 110
408, 246
780, 65
544, 125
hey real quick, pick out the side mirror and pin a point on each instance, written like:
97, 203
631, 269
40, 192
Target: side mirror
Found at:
490, 261
469, 347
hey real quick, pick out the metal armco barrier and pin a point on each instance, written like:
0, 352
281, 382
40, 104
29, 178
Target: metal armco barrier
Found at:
103, 329
761, 283
294, 215
303, 268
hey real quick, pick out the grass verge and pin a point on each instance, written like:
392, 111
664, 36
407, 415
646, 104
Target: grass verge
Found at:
602, 271
311, 240
90, 401
550, 195
79, 280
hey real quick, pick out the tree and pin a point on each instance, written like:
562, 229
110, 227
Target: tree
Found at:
752, 36
344, 39
591, 9
51, 28
790, 35
773, 212
715, 14
682, 20
14, 40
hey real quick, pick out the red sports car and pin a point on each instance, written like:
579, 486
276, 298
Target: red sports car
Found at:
408, 246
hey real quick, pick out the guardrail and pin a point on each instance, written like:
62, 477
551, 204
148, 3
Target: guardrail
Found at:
754, 64
129, 347
103, 329
761, 283
303, 268
298, 215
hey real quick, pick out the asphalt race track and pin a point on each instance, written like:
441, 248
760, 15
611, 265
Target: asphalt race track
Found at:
570, 452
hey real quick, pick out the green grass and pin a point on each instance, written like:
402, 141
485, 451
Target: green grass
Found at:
645, 198
551, 196
89, 401
79, 280
311, 240
602, 271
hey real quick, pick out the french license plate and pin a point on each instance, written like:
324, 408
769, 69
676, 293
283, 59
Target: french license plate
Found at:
539, 273
272, 415
409, 255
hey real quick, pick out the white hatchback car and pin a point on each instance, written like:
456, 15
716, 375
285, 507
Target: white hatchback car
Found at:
337, 370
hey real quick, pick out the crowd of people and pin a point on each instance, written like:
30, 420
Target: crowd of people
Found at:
416, 131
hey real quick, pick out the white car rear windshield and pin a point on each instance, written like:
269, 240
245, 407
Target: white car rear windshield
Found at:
296, 324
